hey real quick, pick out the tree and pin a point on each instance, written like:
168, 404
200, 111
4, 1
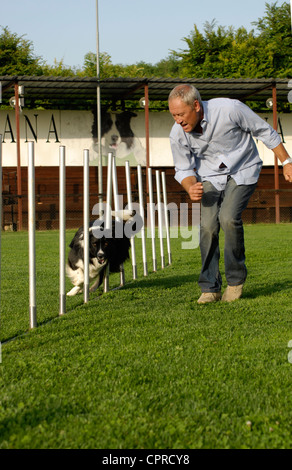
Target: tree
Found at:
229, 53
108, 69
276, 38
17, 56
169, 67
216, 52
203, 59
59, 69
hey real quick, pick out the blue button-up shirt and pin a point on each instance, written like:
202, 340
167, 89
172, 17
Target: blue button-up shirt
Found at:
228, 129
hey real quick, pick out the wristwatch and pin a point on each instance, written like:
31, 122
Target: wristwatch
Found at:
288, 160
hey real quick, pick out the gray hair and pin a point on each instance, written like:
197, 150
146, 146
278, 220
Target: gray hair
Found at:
187, 93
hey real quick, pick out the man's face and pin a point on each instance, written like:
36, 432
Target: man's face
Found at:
188, 117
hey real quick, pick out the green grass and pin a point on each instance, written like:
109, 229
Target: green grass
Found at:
145, 366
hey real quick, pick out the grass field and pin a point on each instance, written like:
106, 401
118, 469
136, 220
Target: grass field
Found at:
145, 367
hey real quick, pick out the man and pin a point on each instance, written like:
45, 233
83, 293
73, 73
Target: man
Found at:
217, 163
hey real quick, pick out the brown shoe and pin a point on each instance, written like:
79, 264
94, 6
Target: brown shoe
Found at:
232, 293
208, 297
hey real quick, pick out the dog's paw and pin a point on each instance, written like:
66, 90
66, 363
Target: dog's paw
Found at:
75, 290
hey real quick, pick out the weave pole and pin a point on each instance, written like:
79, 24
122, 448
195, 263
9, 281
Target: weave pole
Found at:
117, 209
108, 216
130, 207
86, 223
166, 216
160, 229
141, 205
62, 229
152, 219
31, 236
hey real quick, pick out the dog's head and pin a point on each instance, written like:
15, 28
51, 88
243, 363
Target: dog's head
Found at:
97, 247
106, 123
103, 250
109, 245
94, 248
119, 131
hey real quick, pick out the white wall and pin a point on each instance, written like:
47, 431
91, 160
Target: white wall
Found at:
73, 129
286, 123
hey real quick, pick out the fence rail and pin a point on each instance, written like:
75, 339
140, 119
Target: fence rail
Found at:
261, 206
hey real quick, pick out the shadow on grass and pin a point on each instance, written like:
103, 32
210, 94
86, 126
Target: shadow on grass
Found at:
267, 289
155, 281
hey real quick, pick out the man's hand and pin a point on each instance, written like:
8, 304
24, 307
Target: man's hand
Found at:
287, 172
193, 188
196, 192
282, 154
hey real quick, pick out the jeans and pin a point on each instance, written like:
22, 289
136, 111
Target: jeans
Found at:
223, 209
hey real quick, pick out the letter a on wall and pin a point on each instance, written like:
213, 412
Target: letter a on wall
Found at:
54, 131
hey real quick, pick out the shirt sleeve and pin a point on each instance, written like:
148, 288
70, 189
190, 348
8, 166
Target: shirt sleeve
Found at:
249, 121
183, 158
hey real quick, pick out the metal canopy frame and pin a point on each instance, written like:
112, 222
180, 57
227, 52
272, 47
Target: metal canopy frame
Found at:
77, 88
84, 88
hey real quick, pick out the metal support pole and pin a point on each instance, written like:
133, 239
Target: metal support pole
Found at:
152, 219
86, 223
160, 230
130, 207
141, 205
146, 91
31, 236
100, 183
62, 229
166, 216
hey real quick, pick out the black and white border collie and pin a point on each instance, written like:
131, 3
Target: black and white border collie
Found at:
105, 247
117, 135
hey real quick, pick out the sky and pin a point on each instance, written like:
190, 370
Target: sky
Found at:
129, 30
